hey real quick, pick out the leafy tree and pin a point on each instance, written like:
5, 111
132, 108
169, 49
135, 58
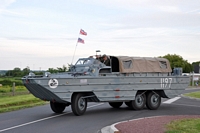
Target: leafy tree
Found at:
178, 61
9, 73
64, 68
52, 70
26, 71
16, 72
39, 72
196, 62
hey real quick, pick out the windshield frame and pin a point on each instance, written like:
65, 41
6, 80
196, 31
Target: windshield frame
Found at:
83, 61
92, 61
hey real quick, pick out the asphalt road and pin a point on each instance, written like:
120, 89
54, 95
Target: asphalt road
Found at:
98, 115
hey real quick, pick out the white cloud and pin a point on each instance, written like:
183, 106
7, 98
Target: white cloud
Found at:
36, 48
169, 8
194, 11
5, 3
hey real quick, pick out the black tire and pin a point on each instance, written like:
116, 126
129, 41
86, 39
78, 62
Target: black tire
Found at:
138, 103
153, 101
115, 104
57, 107
79, 104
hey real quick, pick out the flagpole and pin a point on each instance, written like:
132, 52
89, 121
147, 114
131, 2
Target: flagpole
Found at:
82, 32
74, 53
75, 49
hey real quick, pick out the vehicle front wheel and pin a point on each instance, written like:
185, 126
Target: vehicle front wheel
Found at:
115, 104
57, 107
153, 101
138, 103
79, 104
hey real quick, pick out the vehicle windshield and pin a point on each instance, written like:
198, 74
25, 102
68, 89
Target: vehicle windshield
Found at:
87, 61
86, 65
84, 61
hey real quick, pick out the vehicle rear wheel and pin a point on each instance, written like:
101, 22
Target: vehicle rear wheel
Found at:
115, 104
79, 104
153, 101
57, 107
138, 103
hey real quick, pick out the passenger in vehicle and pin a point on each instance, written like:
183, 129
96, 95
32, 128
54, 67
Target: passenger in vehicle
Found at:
104, 59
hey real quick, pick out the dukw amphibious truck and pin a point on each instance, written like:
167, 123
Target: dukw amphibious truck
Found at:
135, 81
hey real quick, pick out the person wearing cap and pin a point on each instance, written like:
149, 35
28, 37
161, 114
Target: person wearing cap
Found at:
104, 59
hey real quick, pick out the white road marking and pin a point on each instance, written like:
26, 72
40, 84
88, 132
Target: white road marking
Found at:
28, 123
171, 100
187, 105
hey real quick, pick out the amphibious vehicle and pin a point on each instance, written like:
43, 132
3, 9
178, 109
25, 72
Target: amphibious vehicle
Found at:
135, 81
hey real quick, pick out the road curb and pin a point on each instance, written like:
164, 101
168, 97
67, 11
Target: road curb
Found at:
113, 129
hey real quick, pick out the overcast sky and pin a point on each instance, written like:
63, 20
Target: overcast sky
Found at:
43, 33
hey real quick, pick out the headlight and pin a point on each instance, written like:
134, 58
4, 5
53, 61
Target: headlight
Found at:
46, 74
93, 70
31, 74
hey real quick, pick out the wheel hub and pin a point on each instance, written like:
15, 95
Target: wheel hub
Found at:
139, 100
81, 103
154, 99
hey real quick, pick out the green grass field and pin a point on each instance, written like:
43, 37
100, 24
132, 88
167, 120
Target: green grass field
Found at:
11, 103
184, 126
21, 99
7, 85
193, 94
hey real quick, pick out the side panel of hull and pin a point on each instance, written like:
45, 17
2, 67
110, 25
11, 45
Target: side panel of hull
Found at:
114, 88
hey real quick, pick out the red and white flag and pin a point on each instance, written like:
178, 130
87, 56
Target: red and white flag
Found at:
82, 32
80, 40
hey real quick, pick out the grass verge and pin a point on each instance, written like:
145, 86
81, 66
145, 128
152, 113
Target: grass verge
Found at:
184, 126
11, 103
193, 94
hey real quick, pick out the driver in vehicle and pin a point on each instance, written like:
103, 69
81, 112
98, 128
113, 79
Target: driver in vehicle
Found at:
104, 59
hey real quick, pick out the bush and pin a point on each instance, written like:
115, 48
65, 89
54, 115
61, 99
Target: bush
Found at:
8, 82
5, 89
20, 88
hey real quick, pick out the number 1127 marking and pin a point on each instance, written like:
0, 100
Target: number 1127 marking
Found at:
166, 82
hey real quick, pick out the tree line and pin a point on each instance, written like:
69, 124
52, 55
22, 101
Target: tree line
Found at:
17, 72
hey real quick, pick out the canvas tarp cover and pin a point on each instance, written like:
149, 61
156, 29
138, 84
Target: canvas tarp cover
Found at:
143, 64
